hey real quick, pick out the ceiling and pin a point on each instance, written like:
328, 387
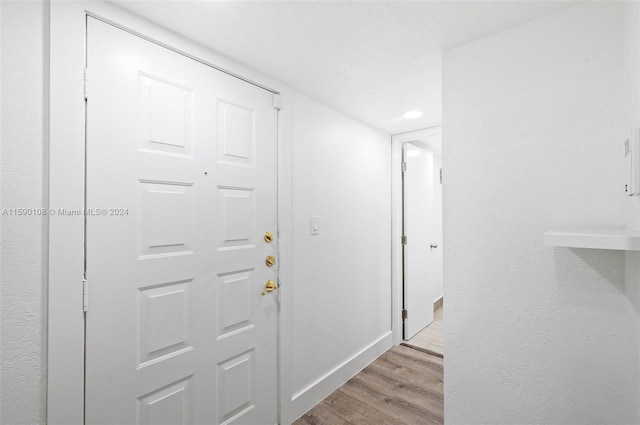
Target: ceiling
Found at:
372, 60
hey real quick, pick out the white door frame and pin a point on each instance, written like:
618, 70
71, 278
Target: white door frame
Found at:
65, 339
396, 222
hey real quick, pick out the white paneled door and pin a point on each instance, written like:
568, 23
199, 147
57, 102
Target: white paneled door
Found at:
418, 215
180, 191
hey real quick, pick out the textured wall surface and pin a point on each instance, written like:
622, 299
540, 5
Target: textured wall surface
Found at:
23, 259
533, 121
632, 259
632, 91
342, 277
632, 280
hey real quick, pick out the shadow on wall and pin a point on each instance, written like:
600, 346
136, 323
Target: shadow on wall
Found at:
604, 271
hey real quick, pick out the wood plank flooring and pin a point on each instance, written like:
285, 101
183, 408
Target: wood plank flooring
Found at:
401, 387
431, 338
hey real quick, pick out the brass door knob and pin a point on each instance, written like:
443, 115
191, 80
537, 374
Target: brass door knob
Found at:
270, 286
270, 260
268, 237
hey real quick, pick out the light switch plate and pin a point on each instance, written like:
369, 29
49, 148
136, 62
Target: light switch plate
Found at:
315, 225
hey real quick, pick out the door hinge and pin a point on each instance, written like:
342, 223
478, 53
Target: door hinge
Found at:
404, 167
441, 176
86, 83
405, 314
276, 102
85, 295
404, 240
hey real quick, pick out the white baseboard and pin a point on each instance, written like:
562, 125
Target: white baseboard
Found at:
304, 400
438, 303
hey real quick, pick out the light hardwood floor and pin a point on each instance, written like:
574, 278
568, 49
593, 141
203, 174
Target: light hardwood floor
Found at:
431, 338
401, 387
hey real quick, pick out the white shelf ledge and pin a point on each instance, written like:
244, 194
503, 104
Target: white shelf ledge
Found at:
594, 238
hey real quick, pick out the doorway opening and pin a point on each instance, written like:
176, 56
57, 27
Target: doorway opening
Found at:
417, 224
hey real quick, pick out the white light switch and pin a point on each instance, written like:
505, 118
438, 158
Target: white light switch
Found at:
315, 224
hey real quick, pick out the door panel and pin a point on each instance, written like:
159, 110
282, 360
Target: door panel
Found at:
418, 227
183, 159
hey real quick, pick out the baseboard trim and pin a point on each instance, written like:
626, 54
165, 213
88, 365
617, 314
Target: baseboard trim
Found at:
304, 400
438, 303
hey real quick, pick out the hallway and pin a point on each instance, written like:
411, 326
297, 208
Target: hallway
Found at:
401, 387
135, 178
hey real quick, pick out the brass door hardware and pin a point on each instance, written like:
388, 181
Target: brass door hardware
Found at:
269, 287
268, 237
270, 260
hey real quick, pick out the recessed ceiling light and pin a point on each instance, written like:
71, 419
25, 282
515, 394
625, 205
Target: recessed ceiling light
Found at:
412, 114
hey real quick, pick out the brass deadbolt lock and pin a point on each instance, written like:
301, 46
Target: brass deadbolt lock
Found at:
268, 237
270, 260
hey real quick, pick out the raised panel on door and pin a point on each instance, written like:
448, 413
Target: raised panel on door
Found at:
182, 157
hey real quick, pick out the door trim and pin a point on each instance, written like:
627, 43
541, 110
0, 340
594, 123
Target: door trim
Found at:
65, 338
396, 223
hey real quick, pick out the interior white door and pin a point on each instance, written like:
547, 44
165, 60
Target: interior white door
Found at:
418, 215
180, 190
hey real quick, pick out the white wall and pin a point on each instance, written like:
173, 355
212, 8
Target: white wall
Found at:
632, 91
342, 276
23, 168
632, 348
533, 124
1, 73
632, 205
